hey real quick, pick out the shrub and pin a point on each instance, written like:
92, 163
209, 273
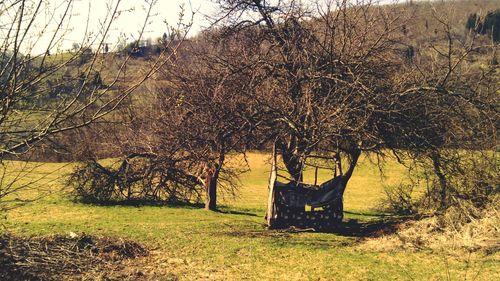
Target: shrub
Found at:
137, 178
465, 181
85, 57
92, 182
399, 199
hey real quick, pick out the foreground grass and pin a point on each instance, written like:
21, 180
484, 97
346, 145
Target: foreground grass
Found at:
190, 243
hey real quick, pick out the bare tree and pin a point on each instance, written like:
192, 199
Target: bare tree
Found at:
447, 113
34, 105
321, 71
340, 79
208, 110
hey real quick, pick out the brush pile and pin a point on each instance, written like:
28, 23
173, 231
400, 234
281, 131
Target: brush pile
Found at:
63, 258
459, 228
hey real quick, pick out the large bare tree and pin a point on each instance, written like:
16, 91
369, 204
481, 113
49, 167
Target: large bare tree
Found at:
340, 78
46, 91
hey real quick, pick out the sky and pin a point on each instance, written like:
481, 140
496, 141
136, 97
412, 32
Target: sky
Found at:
87, 18
133, 15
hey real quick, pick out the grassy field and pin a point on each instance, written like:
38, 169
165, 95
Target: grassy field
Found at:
189, 243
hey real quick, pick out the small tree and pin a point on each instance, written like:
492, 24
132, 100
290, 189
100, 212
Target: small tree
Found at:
212, 116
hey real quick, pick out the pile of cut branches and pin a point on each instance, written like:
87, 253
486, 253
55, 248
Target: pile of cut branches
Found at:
60, 257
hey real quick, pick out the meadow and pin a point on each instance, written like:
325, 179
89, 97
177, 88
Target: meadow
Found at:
189, 243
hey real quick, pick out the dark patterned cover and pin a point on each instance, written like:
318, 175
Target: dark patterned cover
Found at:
304, 206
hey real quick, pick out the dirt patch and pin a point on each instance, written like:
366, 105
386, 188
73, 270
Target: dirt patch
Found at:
66, 258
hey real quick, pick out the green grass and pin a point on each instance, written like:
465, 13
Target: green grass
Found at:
191, 243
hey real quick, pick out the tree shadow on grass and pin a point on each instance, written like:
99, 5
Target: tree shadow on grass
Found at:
230, 210
371, 228
369, 225
143, 203
233, 212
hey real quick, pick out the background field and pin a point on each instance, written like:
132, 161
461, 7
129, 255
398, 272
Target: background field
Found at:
190, 243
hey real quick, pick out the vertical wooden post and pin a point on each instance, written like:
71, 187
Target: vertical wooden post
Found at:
270, 213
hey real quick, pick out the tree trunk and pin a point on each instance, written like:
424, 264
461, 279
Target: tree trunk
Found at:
294, 167
211, 189
436, 161
211, 179
270, 213
354, 157
292, 161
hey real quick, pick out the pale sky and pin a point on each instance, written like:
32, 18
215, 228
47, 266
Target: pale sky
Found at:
127, 25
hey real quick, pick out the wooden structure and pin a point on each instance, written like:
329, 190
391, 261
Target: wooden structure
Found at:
304, 206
